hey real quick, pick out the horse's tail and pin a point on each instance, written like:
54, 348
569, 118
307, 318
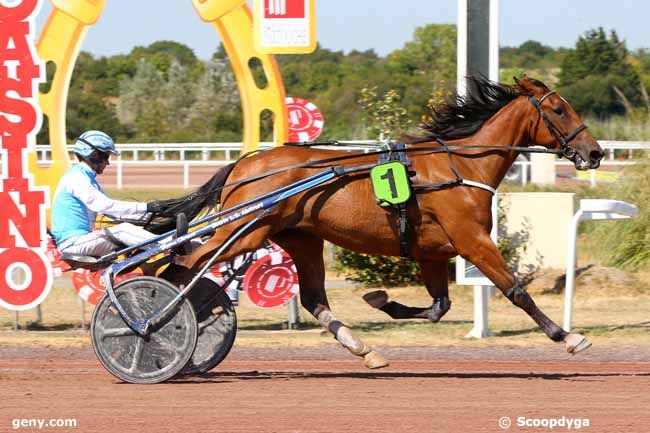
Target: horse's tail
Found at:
205, 197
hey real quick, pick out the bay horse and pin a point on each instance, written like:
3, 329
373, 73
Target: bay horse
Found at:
443, 223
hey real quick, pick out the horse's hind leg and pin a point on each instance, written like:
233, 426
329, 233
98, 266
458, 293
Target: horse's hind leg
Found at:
307, 253
435, 278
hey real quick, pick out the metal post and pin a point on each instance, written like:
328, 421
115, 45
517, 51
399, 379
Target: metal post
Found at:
16, 321
524, 173
119, 174
83, 313
39, 314
480, 329
186, 174
570, 271
294, 319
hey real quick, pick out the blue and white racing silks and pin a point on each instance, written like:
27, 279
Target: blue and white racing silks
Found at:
78, 200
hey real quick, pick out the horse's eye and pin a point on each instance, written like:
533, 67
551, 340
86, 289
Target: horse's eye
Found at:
558, 110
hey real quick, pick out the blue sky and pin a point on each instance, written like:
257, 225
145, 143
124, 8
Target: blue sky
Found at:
364, 24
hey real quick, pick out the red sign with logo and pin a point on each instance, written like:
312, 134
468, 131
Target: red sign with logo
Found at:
284, 8
305, 120
272, 280
25, 272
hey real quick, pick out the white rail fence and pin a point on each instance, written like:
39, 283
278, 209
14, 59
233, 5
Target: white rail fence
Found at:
194, 155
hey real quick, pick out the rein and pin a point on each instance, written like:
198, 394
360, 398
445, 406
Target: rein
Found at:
318, 163
564, 150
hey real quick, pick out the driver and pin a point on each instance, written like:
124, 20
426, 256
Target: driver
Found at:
79, 198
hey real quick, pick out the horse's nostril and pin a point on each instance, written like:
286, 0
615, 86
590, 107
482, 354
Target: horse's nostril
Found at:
596, 155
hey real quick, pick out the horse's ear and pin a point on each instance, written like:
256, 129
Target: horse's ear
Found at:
524, 85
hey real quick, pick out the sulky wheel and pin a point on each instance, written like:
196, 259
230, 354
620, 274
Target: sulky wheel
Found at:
160, 354
217, 326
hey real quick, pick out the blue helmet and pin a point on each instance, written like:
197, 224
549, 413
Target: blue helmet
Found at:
90, 141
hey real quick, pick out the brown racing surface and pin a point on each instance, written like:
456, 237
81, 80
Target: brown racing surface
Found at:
327, 390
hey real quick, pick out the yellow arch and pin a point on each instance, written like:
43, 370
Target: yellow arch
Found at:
61, 39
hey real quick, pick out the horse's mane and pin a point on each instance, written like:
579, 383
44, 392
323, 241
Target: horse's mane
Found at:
462, 116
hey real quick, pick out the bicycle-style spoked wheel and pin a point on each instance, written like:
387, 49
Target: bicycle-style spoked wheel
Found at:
217, 326
160, 354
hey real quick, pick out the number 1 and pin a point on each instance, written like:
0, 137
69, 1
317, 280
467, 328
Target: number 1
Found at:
391, 180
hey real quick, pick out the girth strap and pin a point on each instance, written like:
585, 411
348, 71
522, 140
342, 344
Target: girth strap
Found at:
396, 153
403, 231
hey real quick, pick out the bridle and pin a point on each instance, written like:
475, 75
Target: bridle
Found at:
565, 150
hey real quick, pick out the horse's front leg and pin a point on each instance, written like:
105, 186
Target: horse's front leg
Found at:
435, 278
481, 251
307, 253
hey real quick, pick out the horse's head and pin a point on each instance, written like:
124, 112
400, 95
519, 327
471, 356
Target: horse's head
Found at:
556, 125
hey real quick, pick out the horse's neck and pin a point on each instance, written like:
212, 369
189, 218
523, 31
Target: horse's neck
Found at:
509, 127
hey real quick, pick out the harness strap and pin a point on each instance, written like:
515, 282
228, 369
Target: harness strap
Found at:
403, 230
396, 152
479, 185
452, 164
452, 183
322, 163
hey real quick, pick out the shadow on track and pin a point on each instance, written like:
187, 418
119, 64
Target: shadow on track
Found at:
227, 376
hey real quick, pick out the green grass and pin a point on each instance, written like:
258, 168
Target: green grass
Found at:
620, 128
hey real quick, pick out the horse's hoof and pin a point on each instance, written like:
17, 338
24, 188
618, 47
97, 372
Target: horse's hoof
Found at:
376, 299
576, 343
373, 360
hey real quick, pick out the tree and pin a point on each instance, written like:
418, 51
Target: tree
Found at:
90, 111
215, 113
386, 120
178, 95
139, 106
597, 65
162, 53
423, 65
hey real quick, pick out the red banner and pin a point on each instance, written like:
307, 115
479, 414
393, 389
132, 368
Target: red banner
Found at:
25, 272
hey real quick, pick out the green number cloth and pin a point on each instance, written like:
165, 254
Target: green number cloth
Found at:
390, 183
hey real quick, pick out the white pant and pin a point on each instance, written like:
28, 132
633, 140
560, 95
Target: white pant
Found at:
97, 243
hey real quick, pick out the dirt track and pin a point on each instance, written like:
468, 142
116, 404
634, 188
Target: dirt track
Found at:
326, 390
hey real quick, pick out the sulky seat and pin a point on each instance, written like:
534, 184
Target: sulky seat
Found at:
84, 262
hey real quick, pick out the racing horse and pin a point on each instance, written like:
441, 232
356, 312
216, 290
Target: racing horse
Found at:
442, 222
